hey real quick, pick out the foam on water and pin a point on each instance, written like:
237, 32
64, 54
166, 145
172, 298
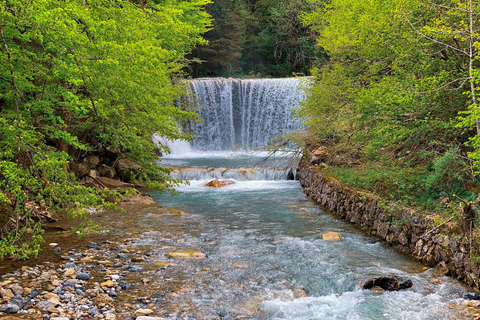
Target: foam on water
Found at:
199, 186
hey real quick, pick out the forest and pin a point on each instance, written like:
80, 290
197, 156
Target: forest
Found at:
394, 95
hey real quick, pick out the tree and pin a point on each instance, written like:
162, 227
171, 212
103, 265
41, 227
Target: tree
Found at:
76, 76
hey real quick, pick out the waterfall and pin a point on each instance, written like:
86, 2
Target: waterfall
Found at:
243, 114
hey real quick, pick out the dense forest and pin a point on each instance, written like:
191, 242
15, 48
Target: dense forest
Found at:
257, 38
394, 95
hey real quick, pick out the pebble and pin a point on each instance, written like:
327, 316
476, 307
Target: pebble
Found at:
93, 245
69, 272
107, 284
138, 259
53, 244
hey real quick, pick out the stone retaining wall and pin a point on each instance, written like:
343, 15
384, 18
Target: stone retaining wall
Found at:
404, 230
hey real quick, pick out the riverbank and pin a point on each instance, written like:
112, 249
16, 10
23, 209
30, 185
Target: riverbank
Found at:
405, 230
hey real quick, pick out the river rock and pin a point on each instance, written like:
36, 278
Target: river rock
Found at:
143, 312
219, 183
471, 296
299, 293
83, 276
332, 236
9, 308
16, 289
107, 284
186, 254
150, 318
52, 297
45, 305
388, 283
138, 259
69, 272
6, 293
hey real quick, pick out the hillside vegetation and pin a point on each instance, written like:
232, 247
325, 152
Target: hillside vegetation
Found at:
396, 103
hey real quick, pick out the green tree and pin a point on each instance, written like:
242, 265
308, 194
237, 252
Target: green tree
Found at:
76, 76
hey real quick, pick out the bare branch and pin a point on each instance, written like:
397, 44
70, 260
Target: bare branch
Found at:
435, 40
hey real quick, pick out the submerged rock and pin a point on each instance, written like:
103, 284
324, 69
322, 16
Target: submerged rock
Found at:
186, 254
471, 296
219, 183
388, 283
332, 236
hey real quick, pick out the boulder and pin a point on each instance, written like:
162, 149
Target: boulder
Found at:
126, 169
388, 283
112, 153
332, 236
106, 171
186, 254
113, 184
91, 161
81, 170
319, 155
219, 183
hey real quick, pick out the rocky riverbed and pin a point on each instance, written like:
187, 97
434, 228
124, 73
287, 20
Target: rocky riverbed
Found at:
164, 263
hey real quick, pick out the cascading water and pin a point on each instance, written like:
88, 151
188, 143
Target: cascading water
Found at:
261, 235
244, 113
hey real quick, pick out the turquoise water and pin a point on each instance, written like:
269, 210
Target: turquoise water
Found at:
263, 242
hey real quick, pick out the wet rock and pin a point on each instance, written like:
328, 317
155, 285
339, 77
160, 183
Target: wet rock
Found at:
332, 236
134, 269
121, 256
149, 318
186, 254
138, 259
57, 249
219, 183
143, 312
9, 308
299, 293
124, 285
471, 296
388, 283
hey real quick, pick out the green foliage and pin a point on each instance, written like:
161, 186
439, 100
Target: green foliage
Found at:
76, 76
391, 92
260, 37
